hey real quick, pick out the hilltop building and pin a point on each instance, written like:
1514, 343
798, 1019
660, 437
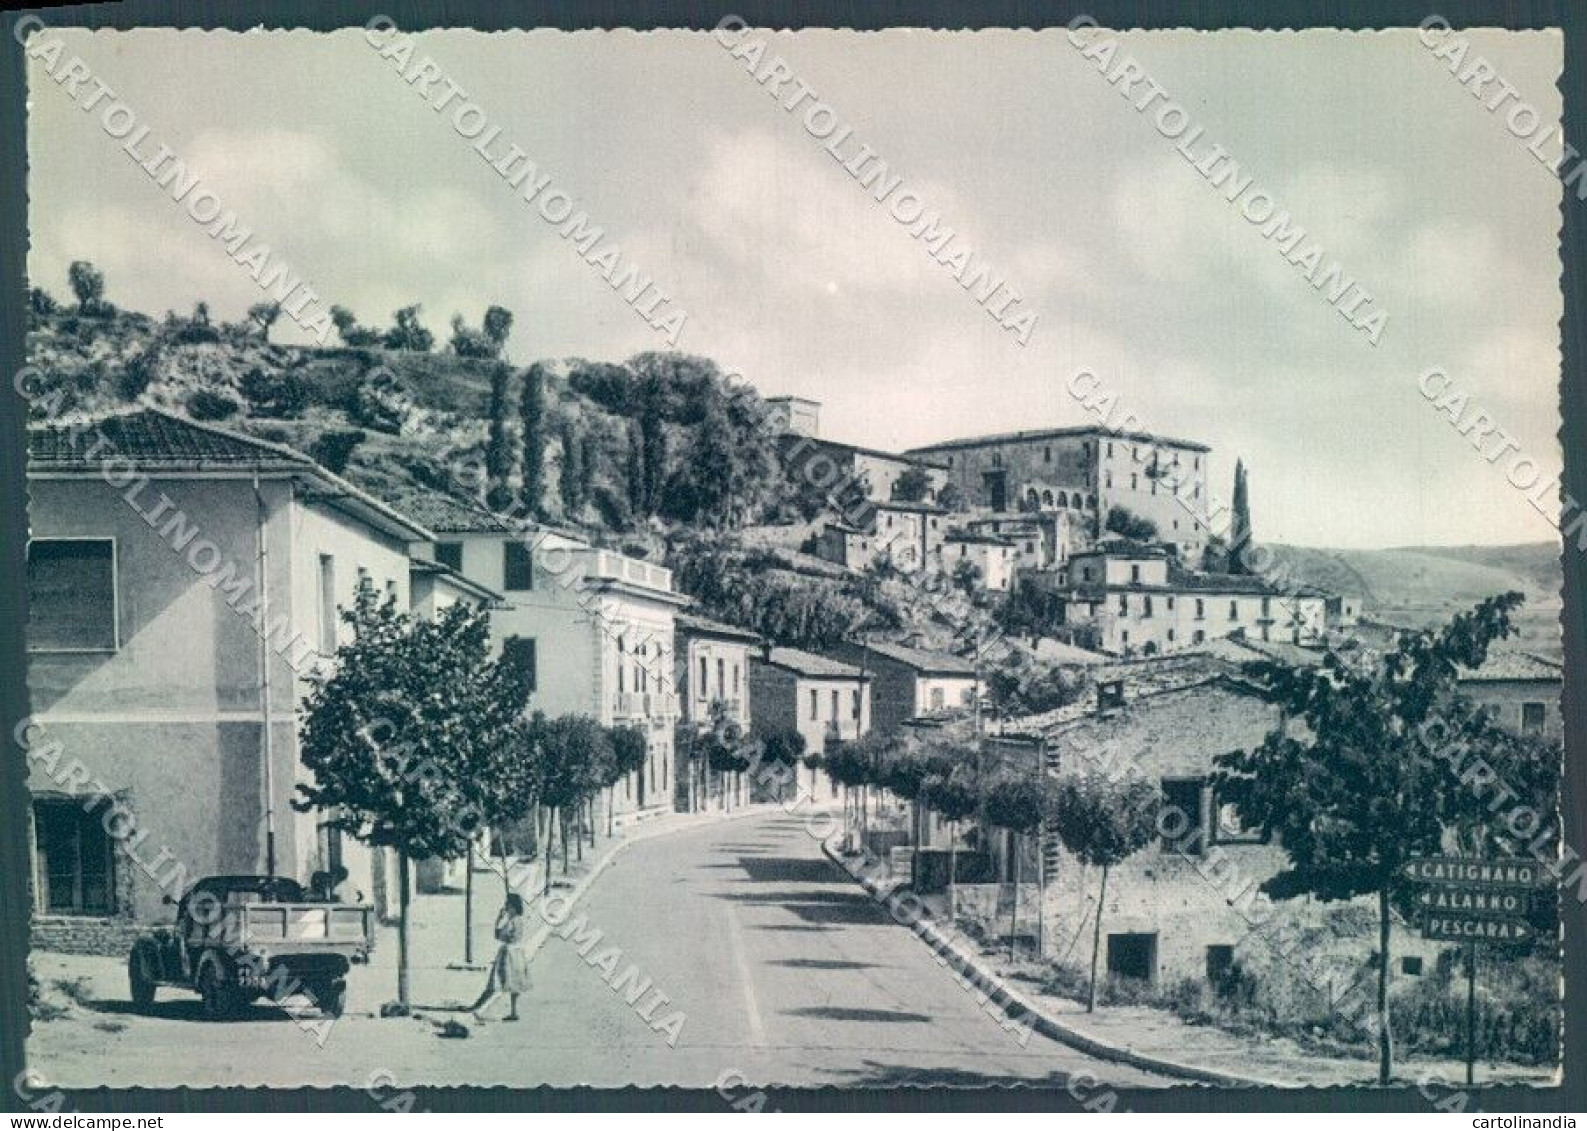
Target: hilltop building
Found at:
1086, 471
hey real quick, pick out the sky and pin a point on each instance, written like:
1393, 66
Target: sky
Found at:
790, 274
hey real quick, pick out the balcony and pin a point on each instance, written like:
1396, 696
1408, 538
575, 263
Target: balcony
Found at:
612, 566
655, 706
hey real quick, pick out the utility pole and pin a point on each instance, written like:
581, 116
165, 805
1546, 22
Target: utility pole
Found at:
266, 725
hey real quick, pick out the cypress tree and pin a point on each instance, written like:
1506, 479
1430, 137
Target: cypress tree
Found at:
636, 468
568, 477
498, 448
1240, 524
532, 412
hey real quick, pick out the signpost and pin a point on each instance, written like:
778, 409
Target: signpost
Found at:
1471, 900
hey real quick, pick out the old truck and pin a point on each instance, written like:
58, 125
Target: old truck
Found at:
240, 938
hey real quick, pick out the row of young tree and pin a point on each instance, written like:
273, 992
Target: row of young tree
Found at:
418, 742
1372, 763
1101, 820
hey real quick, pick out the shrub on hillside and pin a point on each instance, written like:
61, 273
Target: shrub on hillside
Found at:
333, 450
138, 374
285, 394
207, 404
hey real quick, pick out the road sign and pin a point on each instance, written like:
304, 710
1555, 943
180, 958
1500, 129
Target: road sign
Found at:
1475, 902
1472, 872
1467, 929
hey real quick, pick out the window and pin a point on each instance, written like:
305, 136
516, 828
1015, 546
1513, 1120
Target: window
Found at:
815, 705
1146, 610
735, 679
1267, 606
1199, 637
1234, 610
1411, 965
1110, 449
855, 706
1124, 603
450, 554
1124, 638
1135, 482
1184, 833
1532, 715
1108, 479
834, 704
1046, 454
938, 699
517, 567
700, 692
1170, 602
518, 660
1170, 636
1135, 575
72, 595
75, 870
1133, 957
1220, 964
327, 608
1201, 608
721, 676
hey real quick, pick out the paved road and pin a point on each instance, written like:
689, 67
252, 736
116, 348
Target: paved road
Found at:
785, 972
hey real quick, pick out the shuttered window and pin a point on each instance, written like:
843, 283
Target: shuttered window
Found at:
72, 595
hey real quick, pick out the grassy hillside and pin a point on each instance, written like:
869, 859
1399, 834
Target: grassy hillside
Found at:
1423, 585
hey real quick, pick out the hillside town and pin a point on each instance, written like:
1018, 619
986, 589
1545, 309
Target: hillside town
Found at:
152, 532
772, 566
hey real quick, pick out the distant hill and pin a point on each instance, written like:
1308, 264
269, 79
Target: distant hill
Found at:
1422, 585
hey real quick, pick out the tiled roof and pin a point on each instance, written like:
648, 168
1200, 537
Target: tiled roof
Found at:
808, 663
1058, 434
976, 537
922, 660
448, 514
688, 622
149, 436
154, 440
440, 569
1503, 664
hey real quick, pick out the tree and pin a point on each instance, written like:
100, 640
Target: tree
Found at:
395, 736
1355, 793
1031, 610
1103, 821
966, 575
588, 453
408, 333
950, 498
1127, 524
497, 325
1025, 687
568, 473
281, 393
498, 444
784, 749
630, 752
913, 485
264, 315
88, 284
41, 302
532, 416
1240, 522
1016, 802
653, 445
636, 468
568, 747
351, 333
954, 796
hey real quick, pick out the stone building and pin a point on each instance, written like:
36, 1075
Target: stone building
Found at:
909, 535
712, 671
1086, 471
1187, 906
821, 698
832, 466
1143, 602
911, 683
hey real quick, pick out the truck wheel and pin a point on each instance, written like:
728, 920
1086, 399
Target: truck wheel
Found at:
219, 1001
333, 999
138, 977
